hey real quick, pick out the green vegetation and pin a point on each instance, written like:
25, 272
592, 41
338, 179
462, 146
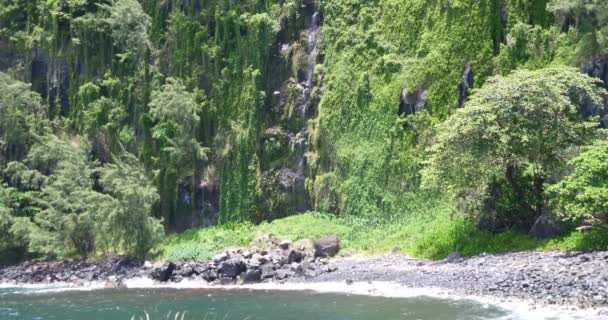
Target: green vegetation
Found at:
432, 238
433, 126
583, 195
496, 154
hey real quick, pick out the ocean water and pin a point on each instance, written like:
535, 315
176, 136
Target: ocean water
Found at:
205, 304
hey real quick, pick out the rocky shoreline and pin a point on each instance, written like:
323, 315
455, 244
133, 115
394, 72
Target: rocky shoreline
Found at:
279, 260
577, 279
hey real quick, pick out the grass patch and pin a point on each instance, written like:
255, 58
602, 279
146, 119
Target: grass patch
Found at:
422, 235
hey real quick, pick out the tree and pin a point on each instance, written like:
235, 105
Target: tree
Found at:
583, 194
496, 154
70, 207
130, 224
590, 17
129, 28
175, 111
21, 114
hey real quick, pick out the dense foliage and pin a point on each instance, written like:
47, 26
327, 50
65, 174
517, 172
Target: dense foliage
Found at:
496, 154
121, 120
583, 195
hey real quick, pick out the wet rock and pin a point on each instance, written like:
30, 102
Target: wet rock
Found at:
466, 83
268, 272
186, 271
232, 268
164, 272
327, 247
209, 275
294, 256
412, 102
252, 276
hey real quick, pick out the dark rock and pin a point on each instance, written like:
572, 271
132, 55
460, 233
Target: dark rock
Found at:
253, 276
546, 228
232, 268
257, 260
268, 271
164, 272
466, 83
327, 247
597, 67
209, 275
285, 244
277, 257
284, 274
454, 257
199, 269
294, 256
413, 102
186, 271
349, 281
221, 257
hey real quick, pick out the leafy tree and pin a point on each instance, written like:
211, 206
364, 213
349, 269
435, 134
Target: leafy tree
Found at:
583, 194
498, 152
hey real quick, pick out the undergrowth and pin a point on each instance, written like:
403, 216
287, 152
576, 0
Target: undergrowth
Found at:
431, 233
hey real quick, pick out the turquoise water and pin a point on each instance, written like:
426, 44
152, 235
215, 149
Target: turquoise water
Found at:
178, 304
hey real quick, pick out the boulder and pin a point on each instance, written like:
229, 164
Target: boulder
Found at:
209, 275
221, 257
164, 272
454, 257
285, 244
327, 247
232, 268
545, 228
284, 274
294, 256
252, 276
268, 271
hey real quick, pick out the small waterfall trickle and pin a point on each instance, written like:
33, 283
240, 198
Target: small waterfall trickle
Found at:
313, 28
299, 140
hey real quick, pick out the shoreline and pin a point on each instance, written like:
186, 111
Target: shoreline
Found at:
574, 283
520, 309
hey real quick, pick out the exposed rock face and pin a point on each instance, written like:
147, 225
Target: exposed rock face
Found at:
327, 247
598, 68
466, 83
546, 228
412, 102
164, 272
55, 88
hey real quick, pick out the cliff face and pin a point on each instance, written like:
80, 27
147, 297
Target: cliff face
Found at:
304, 105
